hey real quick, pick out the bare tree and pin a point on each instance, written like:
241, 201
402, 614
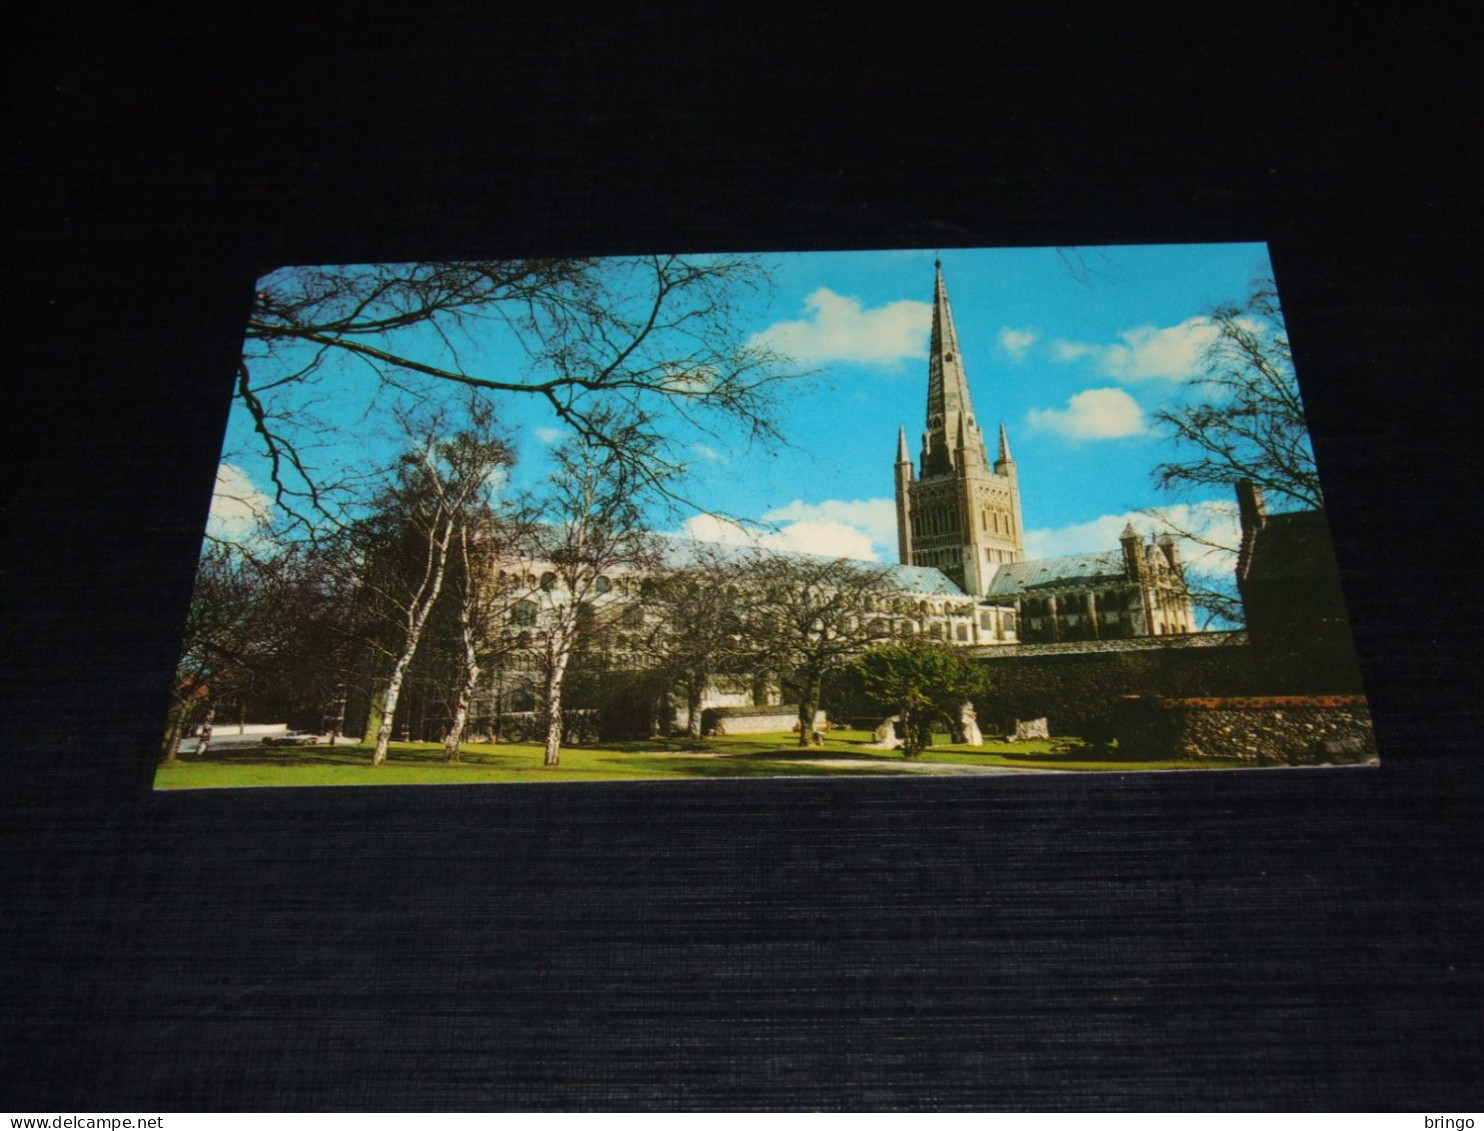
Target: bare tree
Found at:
438, 486
593, 531
484, 605
255, 630
698, 630
1251, 423
809, 617
218, 648
1208, 534
597, 340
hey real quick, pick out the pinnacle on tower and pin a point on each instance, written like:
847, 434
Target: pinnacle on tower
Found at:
1005, 456
902, 454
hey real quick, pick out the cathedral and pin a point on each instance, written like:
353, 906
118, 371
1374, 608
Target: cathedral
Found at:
960, 514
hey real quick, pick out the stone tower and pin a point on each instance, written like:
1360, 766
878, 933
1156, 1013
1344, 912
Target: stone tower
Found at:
956, 512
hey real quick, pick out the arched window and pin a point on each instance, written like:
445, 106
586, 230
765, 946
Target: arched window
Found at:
523, 613
602, 585
548, 582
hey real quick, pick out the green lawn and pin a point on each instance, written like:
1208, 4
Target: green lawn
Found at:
763, 755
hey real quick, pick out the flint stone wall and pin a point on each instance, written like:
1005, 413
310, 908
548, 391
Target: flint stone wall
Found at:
1079, 687
1270, 730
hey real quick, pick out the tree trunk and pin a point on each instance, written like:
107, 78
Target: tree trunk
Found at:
466, 696
204, 742
455, 736
556, 672
470, 658
337, 721
914, 728
659, 715
375, 712
417, 620
175, 727
693, 710
389, 705
170, 749
808, 708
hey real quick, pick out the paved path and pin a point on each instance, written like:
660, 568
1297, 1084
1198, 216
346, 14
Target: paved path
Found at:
941, 769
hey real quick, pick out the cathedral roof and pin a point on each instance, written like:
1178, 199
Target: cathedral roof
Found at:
678, 551
1014, 578
922, 579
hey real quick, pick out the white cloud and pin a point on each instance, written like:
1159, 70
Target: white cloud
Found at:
1145, 353
1094, 414
1070, 351
820, 536
1016, 342
835, 529
549, 435
838, 328
706, 453
710, 528
1214, 522
876, 518
238, 508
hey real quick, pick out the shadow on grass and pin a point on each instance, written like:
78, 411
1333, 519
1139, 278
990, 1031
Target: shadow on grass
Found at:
732, 756
280, 756
401, 754
736, 766
662, 758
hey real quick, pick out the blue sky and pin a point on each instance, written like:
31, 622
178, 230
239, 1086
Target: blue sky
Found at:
1072, 350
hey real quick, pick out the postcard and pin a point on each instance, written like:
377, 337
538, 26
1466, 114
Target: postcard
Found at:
871, 514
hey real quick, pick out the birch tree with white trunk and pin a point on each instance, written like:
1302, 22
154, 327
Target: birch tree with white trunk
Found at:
593, 532
439, 486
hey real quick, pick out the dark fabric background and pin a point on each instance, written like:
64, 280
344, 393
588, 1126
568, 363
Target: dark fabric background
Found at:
1303, 939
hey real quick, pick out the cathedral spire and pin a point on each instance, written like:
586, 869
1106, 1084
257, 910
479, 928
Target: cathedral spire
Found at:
958, 515
948, 383
950, 411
